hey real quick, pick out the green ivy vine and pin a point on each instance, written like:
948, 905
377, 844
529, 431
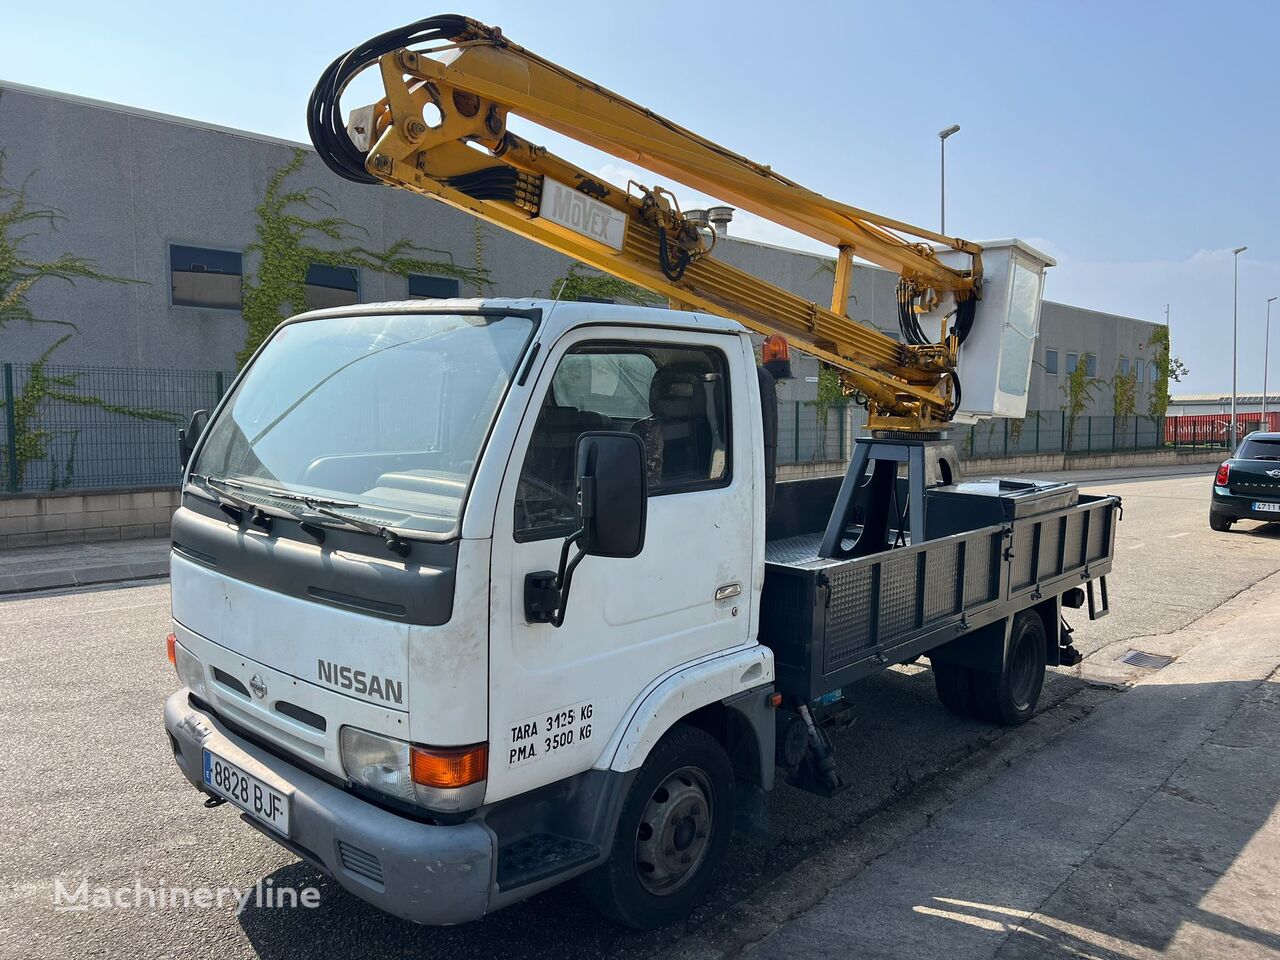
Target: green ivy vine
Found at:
20, 220
289, 223
578, 284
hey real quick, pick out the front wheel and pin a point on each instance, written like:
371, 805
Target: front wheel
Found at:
672, 834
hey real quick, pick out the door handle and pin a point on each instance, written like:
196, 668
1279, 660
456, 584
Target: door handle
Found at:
728, 591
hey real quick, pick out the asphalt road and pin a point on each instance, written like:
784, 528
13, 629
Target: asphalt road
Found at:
88, 790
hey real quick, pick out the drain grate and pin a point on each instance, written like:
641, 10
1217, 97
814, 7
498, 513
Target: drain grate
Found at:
1151, 661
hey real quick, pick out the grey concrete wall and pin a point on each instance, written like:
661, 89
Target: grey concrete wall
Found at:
130, 184
1070, 329
1058, 463
86, 518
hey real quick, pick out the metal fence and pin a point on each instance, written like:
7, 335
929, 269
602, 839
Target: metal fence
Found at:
1052, 431
86, 428
809, 434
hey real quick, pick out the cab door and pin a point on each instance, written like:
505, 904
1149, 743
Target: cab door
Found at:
557, 694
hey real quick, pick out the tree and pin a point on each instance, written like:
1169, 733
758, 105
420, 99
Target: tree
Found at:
21, 219
1078, 390
1168, 367
578, 284
1124, 391
286, 230
830, 394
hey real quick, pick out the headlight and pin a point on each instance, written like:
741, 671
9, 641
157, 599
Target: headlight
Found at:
440, 779
190, 670
379, 763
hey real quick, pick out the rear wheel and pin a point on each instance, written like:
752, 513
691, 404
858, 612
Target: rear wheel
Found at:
955, 687
1009, 697
1221, 524
672, 834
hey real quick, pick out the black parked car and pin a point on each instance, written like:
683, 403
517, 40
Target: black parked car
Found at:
1247, 486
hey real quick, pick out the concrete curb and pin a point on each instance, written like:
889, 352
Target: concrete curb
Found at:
82, 576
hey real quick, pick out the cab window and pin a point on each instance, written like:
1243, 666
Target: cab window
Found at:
674, 398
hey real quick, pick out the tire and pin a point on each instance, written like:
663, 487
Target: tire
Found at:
1220, 524
1009, 697
683, 795
955, 688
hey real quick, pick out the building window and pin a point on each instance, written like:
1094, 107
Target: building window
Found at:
1141, 367
675, 399
422, 287
1153, 371
331, 286
1124, 366
1073, 359
199, 277
1051, 361
1090, 364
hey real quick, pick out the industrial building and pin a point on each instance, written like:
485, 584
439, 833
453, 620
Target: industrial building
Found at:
170, 205
1200, 404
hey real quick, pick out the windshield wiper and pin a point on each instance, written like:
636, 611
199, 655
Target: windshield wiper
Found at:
303, 498
397, 545
233, 505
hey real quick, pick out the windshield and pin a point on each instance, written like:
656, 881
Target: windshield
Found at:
387, 412
1260, 448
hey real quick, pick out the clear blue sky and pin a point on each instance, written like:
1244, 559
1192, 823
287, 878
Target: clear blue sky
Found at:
1136, 142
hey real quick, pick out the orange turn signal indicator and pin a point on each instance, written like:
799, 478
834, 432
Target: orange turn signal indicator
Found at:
451, 767
170, 642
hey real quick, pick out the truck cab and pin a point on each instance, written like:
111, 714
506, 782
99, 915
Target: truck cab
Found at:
362, 670
472, 597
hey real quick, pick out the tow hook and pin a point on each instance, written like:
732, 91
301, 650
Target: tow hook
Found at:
212, 801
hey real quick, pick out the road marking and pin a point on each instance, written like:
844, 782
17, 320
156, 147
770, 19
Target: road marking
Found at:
1184, 533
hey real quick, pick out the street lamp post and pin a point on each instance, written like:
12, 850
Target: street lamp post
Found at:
1266, 354
942, 140
1235, 304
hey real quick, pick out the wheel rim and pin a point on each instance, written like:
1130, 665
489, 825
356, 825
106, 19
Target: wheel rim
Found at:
675, 831
1022, 674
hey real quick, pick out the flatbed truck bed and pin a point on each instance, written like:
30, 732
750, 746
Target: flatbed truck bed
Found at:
831, 622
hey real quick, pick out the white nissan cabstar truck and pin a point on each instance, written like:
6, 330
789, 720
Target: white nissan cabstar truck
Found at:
472, 597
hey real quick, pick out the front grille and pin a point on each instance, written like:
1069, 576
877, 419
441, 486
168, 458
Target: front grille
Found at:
230, 682
302, 715
360, 862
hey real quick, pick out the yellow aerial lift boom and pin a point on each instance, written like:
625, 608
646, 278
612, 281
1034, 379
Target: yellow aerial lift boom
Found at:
451, 84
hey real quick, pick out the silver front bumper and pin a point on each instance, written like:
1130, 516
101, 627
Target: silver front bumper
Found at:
422, 872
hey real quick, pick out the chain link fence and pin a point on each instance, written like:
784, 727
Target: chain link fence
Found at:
86, 428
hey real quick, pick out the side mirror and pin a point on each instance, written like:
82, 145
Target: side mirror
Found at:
188, 438
612, 508
613, 496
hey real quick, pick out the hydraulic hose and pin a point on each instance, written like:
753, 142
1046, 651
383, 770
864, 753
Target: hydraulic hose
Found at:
324, 115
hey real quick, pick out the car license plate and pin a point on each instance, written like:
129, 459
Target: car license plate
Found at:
1261, 507
247, 792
